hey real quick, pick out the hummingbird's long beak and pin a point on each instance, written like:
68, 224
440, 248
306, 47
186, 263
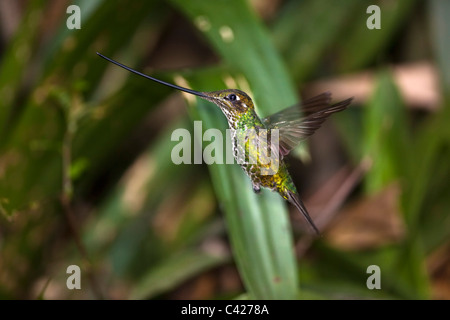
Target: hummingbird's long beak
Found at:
197, 93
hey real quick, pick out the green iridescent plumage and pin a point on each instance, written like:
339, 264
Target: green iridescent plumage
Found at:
259, 145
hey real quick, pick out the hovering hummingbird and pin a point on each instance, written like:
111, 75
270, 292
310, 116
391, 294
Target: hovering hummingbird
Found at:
294, 124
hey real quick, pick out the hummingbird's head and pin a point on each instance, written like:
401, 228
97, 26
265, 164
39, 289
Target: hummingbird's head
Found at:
233, 102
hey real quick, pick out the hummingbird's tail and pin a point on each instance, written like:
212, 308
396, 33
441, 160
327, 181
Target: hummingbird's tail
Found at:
295, 200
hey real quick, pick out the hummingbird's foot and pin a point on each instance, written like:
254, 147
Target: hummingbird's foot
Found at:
256, 189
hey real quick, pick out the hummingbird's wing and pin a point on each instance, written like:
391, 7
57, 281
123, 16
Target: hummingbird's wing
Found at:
300, 121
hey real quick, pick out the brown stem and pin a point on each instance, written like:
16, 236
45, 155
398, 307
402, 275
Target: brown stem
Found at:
66, 202
346, 183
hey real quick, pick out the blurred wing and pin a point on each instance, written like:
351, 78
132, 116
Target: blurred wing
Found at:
303, 109
300, 121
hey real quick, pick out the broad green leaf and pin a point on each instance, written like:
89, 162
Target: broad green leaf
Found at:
174, 271
257, 224
385, 135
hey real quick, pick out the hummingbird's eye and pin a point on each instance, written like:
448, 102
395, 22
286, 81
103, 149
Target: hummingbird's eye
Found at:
232, 97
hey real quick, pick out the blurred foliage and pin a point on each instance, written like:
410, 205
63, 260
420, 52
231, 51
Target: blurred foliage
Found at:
85, 148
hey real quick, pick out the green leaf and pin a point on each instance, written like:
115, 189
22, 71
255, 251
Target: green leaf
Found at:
14, 66
258, 225
385, 137
174, 271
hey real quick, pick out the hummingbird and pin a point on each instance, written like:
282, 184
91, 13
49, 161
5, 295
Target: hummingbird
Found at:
292, 124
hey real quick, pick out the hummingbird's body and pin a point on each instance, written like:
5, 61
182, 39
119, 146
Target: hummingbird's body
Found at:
243, 122
254, 138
